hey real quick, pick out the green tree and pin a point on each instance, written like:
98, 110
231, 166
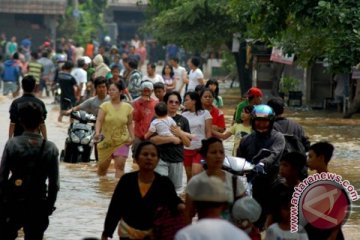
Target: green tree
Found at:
196, 26
81, 25
311, 29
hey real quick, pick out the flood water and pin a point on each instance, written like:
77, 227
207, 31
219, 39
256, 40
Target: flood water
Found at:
84, 197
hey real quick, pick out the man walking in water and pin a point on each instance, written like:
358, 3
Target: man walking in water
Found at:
29, 179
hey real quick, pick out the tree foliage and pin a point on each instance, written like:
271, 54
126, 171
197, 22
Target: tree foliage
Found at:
194, 25
88, 22
312, 29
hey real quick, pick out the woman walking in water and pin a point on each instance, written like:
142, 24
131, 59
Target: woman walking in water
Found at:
114, 126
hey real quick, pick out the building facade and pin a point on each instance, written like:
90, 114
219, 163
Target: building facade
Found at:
37, 18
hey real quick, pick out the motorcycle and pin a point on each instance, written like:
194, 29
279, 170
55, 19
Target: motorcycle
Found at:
242, 168
79, 143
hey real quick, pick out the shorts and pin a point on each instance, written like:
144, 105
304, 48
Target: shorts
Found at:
123, 151
10, 87
191, 156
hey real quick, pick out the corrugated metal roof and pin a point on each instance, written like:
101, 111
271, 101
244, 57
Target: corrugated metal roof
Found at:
127, 3
52, 7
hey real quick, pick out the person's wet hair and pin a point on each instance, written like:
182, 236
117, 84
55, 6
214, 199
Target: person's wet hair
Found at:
199, 89
296, 160
15, 56
161, 109
277, 104
99, 80
195, 61
141, 145
323, 148
133, 64
67, 65
159, 85
204, 90
171, 70
30, 109
167, 96
195, 97
283, 201
151, 65
120, 85
176, 59
213, 82
206, 145
115, 67
80, 63
28, 83
34, 55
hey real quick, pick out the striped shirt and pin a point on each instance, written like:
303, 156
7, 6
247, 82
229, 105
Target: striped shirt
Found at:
35, 69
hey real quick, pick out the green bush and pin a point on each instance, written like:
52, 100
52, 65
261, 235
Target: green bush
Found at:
289, 84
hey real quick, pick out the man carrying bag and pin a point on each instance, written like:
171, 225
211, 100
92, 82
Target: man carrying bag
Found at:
29, 179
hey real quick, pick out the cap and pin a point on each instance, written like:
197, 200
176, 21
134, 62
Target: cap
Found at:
46, 44
211, 189
87, 60
147, 84
254, 92
246, 208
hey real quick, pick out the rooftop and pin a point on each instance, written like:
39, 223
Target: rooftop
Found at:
127, 3
51, 7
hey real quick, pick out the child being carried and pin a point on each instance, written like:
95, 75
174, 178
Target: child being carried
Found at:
161, 125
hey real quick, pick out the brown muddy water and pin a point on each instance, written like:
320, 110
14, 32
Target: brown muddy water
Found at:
84, 197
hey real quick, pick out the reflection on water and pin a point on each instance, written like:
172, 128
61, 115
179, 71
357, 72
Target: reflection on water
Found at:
84, 197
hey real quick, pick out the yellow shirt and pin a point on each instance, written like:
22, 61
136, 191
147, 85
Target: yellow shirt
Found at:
114, 128
239, 131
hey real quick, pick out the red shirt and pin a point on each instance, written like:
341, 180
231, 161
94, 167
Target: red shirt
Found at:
143, 114
218, 118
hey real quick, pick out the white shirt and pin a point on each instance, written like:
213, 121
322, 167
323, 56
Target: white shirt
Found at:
197, 126
211, 229
80, 76
194, 77
162, 126
274, 232
179, 75
155, 79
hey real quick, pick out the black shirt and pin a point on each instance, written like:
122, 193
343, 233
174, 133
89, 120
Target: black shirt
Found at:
137, 211
14, 110
170, 152
67, 83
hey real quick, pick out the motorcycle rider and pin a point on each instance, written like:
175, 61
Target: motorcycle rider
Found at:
92, 104
267, 168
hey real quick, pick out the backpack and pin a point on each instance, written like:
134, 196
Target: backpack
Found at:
26, 179
292, 142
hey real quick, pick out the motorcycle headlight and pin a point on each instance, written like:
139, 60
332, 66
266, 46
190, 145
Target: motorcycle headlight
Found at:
74, 138
86, 140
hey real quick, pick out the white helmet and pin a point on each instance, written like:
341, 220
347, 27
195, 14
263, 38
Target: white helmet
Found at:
86, 59
60, 58
107, 39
